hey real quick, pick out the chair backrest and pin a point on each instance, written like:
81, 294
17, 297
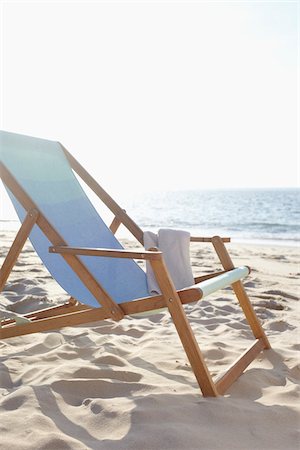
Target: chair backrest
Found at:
41, 168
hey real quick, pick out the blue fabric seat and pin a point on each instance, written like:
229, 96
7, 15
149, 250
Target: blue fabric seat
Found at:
43, 171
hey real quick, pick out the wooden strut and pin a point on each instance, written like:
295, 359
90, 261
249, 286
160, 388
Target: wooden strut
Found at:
17, 246
223, 382
132, 307
65, 308
115, 225
82, 314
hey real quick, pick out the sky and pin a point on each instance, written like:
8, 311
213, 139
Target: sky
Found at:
155, 95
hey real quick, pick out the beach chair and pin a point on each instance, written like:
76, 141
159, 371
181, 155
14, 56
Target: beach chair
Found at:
83, 255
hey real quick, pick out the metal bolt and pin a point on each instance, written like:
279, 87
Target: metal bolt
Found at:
170, 300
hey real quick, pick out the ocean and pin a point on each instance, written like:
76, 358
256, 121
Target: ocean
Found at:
249, 215
265, 216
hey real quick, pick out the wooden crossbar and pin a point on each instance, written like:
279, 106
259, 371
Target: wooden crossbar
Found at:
55, 322
224, 381
115, 224
200, 278
207, 239
146, 304
109, 253
80, 313
52, 311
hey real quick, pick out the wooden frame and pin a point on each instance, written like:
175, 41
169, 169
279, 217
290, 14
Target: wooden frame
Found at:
73, 313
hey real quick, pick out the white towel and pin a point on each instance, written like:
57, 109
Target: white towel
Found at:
150, 241
175, 246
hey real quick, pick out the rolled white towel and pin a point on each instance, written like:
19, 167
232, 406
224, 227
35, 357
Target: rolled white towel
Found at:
175, 246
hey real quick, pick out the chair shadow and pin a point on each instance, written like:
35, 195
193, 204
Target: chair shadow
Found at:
6, 381
68, 427
185, 419
264, 378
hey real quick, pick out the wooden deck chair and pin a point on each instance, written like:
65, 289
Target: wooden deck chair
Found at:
85, 258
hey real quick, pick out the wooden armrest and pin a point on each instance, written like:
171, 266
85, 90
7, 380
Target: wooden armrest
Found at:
110, 253
207, 239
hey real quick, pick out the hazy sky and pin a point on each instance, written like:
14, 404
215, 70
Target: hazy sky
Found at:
158, 94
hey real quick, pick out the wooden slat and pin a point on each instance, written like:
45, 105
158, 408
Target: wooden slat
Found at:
49, 312
132, 307
54, 323
208, 276
109, 253
9, 329
207, 239
114, 226
223, 382
240, 293
17, 246
105, 197
158, 301
78, 267
72, 301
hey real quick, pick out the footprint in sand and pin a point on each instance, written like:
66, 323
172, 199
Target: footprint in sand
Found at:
214, 354
29, 303
269, 304
13, 402
281, 294
74, 392
281, 325
110, 360
108, 373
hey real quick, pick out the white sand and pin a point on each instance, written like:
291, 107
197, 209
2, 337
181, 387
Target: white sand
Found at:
128, 385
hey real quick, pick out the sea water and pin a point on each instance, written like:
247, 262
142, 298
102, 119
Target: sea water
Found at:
245, 215
256, 215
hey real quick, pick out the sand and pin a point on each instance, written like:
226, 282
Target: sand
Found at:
128, 385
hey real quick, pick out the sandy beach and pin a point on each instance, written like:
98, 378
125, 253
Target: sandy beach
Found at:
128, 385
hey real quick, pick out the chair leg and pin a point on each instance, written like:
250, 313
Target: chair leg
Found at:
241, 293
184, 329
17, 246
